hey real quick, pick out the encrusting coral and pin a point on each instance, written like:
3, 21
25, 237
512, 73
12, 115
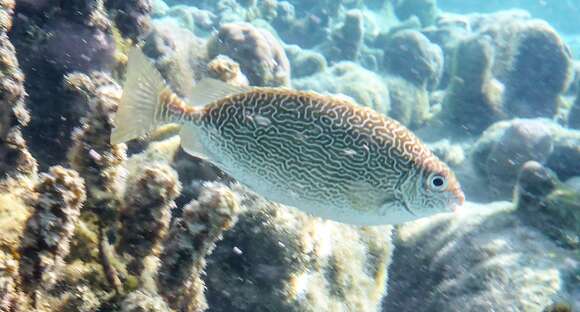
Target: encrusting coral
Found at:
277, 258
14, 156
146, 213
48, 232
132, 17
473, 98
92, 154
191, 238
541, 69
260, 55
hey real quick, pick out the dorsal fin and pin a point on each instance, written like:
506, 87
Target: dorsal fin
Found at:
210, 90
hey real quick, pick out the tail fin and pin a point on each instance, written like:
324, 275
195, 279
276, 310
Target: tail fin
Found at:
136, 115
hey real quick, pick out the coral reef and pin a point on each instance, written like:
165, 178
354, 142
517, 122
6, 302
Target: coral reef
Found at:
347, 78
132, 17
191, 238
425, 10
541, 70
305, 62
473, 98
49, 229
278, 259
14, 156
506, 146
261, 57
227, 70
410, 55
485, 258
148, 227
574, 114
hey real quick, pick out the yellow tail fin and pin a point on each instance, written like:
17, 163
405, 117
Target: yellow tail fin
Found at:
140, 104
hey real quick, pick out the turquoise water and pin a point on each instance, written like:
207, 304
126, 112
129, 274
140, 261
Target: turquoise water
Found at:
161, 222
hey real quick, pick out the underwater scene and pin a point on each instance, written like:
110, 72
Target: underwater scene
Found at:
289, 156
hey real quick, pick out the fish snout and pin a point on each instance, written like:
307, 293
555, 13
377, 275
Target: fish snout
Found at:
458, 200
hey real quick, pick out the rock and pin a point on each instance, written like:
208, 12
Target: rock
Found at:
549, 205
565, 157
541, 70
365, 87
484, 258
410, 55
473, 99
278, 259
503, 148
260, 55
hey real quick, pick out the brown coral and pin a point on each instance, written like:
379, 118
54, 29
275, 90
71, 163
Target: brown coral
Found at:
146, 212
14, 155
227, 70
46, 240
92, 154
192, 237
260, 55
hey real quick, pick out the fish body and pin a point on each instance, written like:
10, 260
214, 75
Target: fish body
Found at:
322, 154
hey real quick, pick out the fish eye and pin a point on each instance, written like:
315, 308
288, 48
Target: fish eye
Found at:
438, 182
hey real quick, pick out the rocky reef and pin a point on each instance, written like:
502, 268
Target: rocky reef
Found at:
90, 226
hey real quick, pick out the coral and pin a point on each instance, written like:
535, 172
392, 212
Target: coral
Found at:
71, 36
191, 238
347, 40
305, 62
425, 10
258, 52
473, 99
146, 213
574, 114
200, 22
548, 205
179, 55
485, 258
132, 16
92, 154
46, 238
227, 70
541, 69
409, 103
501, 151
566, 155
14, 156
410, 55
347, 78
279, 259
143, 301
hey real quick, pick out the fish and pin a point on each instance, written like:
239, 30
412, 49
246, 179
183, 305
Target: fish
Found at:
322, 154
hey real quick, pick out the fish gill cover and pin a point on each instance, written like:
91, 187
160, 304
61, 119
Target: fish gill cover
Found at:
492, 91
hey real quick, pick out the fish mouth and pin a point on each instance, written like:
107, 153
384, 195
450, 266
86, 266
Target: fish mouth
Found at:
458, 201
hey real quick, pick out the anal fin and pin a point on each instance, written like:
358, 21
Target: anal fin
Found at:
191, 141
